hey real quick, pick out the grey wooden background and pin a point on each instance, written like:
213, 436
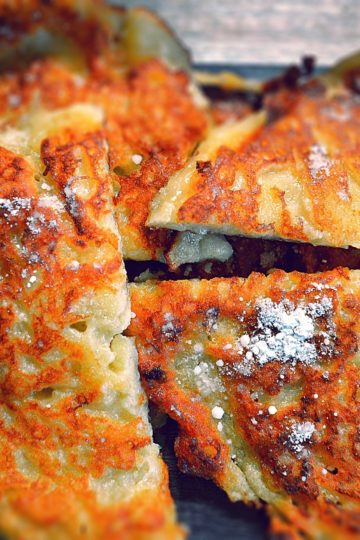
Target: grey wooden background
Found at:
262, 31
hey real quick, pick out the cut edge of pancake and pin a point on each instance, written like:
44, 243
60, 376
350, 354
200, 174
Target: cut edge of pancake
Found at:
99, 313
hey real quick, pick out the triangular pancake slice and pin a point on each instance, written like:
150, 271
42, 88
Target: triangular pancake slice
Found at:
289, 173
76, 453
262, 377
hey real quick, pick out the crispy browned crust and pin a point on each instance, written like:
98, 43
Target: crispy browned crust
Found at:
162, 124
299, 175
60, 436
179, 325
149, 109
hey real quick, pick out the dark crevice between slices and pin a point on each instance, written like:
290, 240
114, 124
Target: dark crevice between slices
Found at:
252, 255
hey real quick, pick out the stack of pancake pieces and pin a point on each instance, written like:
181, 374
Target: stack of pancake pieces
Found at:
236, 207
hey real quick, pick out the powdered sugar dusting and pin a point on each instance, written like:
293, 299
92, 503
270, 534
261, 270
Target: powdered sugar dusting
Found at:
286, 333
16, 207
210, 320
12, 207
300, 434
169, 329
37, 221
206, 380
319, 161
51, 201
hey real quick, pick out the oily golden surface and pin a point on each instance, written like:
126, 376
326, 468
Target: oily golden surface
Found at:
292, 174
90, 54
76, 453
262, 377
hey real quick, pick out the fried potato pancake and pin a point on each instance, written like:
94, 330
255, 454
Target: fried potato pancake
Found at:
292, 175
91, 53
76, 453
262, 377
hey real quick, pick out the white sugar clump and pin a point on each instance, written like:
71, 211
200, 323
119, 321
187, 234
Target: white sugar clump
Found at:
51, 201
292, 330
300, 434
37, 222
211, 317
74, 266
217, 412
31, 281
13, 206
244, 340
168, 329
285, 332
137, 159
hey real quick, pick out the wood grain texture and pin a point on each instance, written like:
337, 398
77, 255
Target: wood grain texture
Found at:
262, 31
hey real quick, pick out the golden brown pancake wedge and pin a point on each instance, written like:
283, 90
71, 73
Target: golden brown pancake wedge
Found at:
290, 174
262, 377
92, 53
76, 453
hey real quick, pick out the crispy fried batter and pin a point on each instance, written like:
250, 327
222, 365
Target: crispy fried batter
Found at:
262, 377
152, 119
294, 178
76, 454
